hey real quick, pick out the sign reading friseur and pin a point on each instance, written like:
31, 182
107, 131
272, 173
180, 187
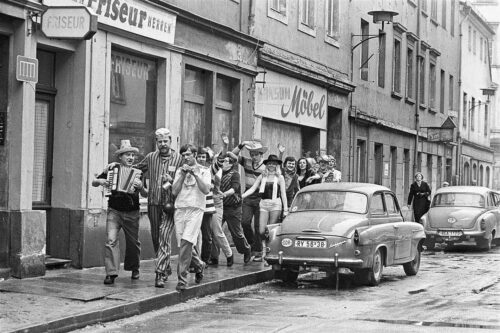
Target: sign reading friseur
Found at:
69, 22
135, 16
287, 99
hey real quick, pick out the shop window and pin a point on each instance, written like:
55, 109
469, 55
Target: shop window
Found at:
133, 102
381, 61
396, 67
307, 17
332, 20
277, 9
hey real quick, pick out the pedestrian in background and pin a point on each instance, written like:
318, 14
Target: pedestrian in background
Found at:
419, 196
123, 213
161, 166
190, 187
272, 190
306, 175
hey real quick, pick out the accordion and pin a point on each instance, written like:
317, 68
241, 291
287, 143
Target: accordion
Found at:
121, 178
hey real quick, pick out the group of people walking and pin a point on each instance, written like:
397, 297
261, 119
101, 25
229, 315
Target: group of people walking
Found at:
194, 192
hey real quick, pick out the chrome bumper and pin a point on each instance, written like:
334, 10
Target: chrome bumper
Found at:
305, 261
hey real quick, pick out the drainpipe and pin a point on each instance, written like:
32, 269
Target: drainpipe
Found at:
460, 118
417, 93
251, 17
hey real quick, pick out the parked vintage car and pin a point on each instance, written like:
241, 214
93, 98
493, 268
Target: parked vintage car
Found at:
357, 226
463, 213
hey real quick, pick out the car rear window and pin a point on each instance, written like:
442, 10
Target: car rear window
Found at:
458, 200
353, 202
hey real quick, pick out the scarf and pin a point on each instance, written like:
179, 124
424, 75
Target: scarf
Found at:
263, 183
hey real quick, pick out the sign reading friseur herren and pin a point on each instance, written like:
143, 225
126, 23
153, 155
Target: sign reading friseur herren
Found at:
69, 22
291, 100
138, 17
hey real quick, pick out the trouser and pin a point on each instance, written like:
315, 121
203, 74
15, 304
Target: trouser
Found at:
219, 240
207, 237
188, 257
162, 228
129, 222
232, 215
251, 211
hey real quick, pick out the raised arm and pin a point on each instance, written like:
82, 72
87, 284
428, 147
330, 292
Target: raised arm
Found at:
252, 189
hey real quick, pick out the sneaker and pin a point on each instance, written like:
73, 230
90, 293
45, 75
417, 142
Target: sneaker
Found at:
180, 286
230, 261
135, 274
159, 280
110, 279
258, 258
199, 275
247, 257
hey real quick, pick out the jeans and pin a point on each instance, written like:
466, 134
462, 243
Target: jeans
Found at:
232, 215
251, 210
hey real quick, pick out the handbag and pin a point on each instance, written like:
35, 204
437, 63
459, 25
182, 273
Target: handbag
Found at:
167, 200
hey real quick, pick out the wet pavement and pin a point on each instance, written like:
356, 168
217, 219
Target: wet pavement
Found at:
457, 290
67, 299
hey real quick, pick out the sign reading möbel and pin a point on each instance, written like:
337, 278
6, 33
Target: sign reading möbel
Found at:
69, 22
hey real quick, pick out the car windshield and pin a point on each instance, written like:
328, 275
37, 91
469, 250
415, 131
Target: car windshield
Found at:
353, 202
458, 200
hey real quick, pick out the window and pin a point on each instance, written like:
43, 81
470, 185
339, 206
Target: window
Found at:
381, 61
486, 120
361, 161
378, 159
332, 19
421, 68
481, 48
406, 172
429, 169
377, 205
225, 91
434, 9
452, 18
472, 113
390, 203
451, 87
133, 102
364, 51
277, 9
474, 42
443, 13
396, 67
307, 17
442, 83
394, 167
194, 111
432, 84
469, 41
465, 113
409, 72
424, 6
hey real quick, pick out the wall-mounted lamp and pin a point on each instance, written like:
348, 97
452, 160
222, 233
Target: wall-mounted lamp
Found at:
488, 92
382, 16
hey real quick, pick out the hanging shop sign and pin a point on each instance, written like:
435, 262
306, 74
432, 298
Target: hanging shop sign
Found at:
135, 16
291, 100
439, 134
69, 22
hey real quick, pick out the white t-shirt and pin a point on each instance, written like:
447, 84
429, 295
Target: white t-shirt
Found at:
190, 194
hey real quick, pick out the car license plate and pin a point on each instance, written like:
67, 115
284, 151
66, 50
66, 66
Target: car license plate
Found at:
450, 233
310, 243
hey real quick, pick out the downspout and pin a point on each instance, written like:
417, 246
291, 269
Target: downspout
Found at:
417, 93
251, 17
460, 118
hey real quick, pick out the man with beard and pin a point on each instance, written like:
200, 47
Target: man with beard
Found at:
161, 166
191, 186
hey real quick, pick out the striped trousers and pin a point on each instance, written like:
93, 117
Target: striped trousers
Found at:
162, 228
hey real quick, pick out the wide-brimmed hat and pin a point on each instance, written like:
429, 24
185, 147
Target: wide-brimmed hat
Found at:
272, 158
256, 146
323, 158
126, 147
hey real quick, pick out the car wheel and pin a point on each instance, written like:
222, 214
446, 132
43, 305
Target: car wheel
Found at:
286, 275
372, 275
411, 267
484, 243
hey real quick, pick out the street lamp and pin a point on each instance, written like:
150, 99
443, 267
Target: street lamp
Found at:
379, 16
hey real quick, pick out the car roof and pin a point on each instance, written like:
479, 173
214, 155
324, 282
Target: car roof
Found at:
367, 188
464, 189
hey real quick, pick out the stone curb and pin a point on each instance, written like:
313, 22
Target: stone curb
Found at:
148, 304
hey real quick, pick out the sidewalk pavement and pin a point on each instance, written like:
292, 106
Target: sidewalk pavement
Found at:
68, 299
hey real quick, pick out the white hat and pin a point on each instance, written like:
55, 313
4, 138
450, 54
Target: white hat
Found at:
256, 146
126, 147
162, 133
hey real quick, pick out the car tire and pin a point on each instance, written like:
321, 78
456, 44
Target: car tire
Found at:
286, 275
430, 245
484, 243
411, 268
371, 276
